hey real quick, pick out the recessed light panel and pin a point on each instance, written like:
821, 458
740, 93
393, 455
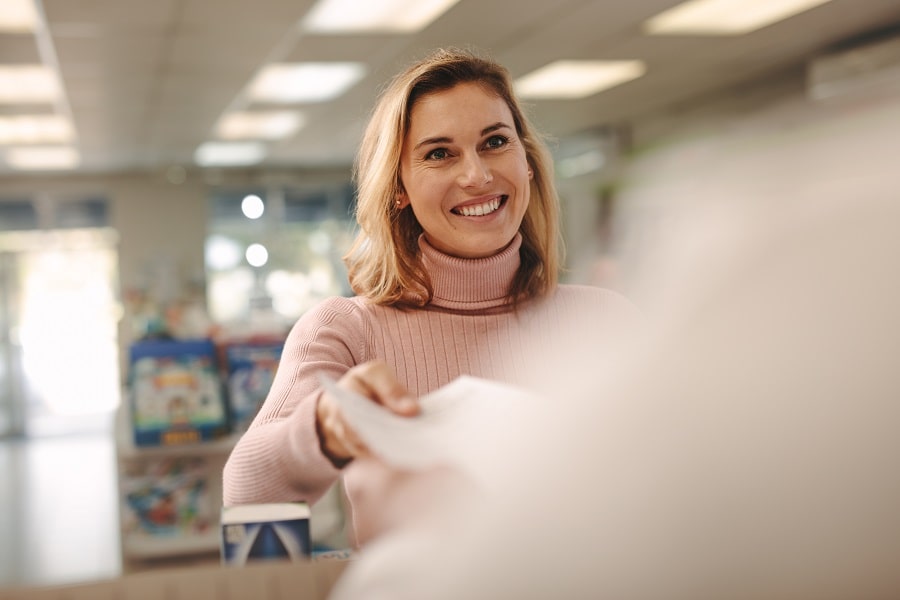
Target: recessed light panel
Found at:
18, 16
229, 154
725, 17
571, 79
289, 83
24, 84
353, 16
35, 129
44, 158
262, 125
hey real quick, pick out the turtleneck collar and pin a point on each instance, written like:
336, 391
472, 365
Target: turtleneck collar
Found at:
470, 283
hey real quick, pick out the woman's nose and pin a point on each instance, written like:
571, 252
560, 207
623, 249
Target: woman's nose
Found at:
475, 172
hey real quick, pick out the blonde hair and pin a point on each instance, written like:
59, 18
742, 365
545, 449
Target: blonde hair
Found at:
384, 262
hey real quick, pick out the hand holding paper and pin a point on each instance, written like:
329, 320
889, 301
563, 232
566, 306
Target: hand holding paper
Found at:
459, 425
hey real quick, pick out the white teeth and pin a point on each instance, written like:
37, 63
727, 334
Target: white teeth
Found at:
479, 210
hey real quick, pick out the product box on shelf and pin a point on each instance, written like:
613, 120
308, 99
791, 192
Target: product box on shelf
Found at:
175, 393
168, 505
261, 532
250, 370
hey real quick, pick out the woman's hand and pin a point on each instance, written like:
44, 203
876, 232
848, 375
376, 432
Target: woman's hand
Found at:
374, 380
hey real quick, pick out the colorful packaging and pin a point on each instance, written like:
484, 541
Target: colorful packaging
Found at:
176, 393
251, 370
263, 532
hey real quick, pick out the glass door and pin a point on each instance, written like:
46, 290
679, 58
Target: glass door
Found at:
61, 314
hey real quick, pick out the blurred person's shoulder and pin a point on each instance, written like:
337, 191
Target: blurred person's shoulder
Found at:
605, 301
590, 292
595, 312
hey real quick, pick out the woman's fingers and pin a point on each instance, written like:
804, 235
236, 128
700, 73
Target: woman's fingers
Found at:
376, 380
338, 439
348, 438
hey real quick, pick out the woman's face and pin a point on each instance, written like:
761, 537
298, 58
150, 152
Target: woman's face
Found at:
464, 171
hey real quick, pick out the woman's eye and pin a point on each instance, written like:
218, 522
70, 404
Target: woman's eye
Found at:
436, 154
496, 141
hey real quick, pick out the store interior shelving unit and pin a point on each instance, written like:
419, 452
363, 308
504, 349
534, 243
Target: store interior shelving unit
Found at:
141, 549
156, 528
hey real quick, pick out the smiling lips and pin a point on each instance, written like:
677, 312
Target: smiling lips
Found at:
480, 210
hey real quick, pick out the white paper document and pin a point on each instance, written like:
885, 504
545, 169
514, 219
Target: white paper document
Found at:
460, 425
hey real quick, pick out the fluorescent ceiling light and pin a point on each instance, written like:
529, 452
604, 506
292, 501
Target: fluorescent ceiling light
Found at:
304, 82
268, 125
43, 158
35, 129
578, 78
229, 154
725, 17
28, 83
18, 16
353, 16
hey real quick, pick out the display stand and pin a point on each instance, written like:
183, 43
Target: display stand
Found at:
169, 497
170, 463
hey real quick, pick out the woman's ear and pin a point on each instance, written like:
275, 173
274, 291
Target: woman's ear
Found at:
401, 200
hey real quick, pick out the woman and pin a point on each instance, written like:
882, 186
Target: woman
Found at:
455, 270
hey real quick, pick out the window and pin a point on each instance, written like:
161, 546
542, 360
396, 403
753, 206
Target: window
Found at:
282, 261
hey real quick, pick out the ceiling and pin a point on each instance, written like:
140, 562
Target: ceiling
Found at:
146, 81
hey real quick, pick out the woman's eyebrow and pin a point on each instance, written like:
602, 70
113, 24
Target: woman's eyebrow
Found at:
495, 127
447, 140
434, 140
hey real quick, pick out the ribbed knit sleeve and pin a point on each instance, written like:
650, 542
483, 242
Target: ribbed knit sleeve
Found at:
279, 459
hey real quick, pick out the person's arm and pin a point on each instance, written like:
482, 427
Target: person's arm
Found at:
280, 457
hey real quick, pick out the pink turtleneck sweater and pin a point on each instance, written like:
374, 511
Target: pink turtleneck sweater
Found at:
464, 331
